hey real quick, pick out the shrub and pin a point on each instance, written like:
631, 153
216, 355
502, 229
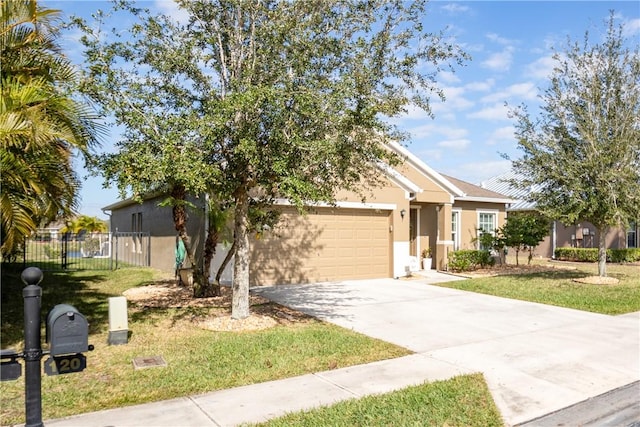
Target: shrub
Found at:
51, 252
92, 246
468, 260
591, 255
623, 255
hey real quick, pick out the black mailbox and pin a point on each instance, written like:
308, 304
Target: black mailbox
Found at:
67, 330
10, 368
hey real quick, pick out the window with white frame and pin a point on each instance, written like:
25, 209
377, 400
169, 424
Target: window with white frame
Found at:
487, 223
455, 229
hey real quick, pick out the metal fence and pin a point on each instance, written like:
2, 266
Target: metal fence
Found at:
51, 251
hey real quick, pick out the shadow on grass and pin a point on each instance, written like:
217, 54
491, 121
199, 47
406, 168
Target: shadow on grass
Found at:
57, 288
175, 314
556, 274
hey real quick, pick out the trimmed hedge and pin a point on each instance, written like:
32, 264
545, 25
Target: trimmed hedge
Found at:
591, 255
469, 260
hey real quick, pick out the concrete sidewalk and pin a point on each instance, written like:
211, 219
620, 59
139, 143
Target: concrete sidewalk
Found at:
260, 402
537, 359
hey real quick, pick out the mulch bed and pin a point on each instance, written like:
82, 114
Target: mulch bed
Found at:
168, 294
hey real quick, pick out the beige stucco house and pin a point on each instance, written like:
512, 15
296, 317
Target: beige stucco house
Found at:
414, 209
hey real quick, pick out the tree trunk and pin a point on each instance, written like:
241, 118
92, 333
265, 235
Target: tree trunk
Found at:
240, 297
209, 251
227, 260
178, 194
602, 251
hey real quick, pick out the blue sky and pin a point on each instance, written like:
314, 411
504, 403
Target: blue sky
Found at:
511, 44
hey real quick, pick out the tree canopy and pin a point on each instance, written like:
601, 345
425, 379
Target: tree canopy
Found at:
257, 100
581, 155
41, 122
524, 231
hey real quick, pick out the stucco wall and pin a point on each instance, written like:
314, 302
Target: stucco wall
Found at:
158, 222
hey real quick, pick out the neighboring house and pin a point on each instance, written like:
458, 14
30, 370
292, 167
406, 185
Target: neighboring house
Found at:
133, 217
583, 234
415, 208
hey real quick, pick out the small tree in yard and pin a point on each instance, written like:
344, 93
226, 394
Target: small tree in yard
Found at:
583, 153
524, 231
267, 99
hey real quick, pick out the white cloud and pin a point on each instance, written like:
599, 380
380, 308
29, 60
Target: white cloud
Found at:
427, 154
502, 134
414, 113
541, 68
171, 9
454, 101
484, 86
500, 40
431, 130
455, 8
451, 132
499, 61
455, 144
631, 27
448, 77
495, 112
525, 90
476, 172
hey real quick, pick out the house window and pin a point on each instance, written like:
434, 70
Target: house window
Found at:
632, 235
455, 229
136, 222
136, 227
487, 223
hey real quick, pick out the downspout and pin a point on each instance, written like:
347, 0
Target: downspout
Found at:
554, 237
104, 211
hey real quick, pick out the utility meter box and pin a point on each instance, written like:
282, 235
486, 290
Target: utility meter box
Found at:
67, 330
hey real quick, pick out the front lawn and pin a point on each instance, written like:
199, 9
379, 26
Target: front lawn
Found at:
199, 360
556, 285
463, 401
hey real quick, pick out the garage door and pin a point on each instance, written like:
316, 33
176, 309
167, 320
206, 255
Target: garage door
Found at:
327, 244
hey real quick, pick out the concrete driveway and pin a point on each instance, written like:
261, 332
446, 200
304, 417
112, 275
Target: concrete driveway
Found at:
536, 358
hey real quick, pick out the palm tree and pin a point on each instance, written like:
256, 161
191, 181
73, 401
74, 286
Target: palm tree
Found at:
41, 123
90, 224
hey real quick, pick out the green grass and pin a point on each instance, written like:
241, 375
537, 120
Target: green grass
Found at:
460, 401
198, 360
557, 287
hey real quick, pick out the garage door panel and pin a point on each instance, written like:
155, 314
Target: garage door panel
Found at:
329, 244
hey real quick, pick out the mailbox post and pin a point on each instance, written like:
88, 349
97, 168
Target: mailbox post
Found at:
67, 334
32, 294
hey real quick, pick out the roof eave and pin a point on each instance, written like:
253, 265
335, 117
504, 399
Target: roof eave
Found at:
485, 199
426, 170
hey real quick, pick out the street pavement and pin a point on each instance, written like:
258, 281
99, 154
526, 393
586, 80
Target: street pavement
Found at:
538, 360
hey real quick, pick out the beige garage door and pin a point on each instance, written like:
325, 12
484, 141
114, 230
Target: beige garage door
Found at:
327, 244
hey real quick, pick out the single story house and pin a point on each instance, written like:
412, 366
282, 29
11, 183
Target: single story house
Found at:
582, 234
415, 208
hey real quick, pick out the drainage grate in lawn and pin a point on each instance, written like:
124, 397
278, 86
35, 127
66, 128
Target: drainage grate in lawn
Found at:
149, 362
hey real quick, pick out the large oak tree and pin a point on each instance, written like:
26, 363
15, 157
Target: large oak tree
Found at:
254, 100
582, 153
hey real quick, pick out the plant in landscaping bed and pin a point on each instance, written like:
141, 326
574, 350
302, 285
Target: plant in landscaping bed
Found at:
199, 359
591, 255
469, 260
